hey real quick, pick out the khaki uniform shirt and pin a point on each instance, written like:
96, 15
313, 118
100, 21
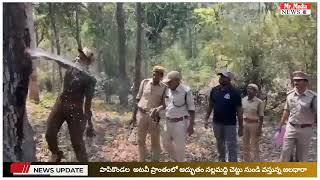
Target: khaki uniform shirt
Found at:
302, 107
150, 95
179, 102
252, 109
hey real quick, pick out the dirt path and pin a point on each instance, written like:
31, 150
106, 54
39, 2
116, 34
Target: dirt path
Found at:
111, 142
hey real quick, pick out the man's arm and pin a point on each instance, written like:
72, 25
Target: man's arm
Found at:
191, 110
210, 107
314, 108
88, 99
163, 102
192, 117
239, 109
285, 115
138, 97
240, 116
140, 91
284, 118
261, 115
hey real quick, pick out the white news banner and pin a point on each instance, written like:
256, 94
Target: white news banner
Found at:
56, 170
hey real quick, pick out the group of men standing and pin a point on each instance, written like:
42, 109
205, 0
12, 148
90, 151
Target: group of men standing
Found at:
155, 95
229, 110
170, 95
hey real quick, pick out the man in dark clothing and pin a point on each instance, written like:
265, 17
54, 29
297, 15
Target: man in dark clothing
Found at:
225, 100
74, 107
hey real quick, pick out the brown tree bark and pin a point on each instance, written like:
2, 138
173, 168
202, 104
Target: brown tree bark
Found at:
123, 89
33, 79
17, 68
139, 15
78, 29
52, 13
121, 40
138, 60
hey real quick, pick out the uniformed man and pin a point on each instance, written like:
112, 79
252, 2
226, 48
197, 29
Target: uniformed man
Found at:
180, 114
225, 101
150, 100
253, 119
300, 112
73, 105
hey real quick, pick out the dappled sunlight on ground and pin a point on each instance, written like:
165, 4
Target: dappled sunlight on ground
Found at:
111, 141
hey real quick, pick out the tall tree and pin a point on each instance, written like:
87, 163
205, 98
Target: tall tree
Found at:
17, 68
52, 14
33, 83
138, 59
121, 40
122, 51
137, 77
78, 29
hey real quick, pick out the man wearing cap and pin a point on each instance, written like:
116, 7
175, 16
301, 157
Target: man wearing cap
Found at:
253, 119
225, 101
300, 112
180, 114
151, 101
73, 105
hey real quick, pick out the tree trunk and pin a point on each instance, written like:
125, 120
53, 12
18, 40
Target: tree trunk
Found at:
137, 76
121, 40
17, 68
33, 79
124, 82
189, 29
56, 36
139, 14
78, 38
52, 63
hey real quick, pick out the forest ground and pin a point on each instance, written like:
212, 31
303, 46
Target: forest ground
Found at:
112, 142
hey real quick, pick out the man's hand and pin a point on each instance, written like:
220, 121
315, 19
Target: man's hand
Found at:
240, 131
190, 130
90, 131
88, 115
154, 112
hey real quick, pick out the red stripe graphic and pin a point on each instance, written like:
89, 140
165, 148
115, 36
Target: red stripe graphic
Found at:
28, 167
20, 167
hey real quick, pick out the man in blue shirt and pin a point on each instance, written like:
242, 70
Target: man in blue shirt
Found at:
225, 100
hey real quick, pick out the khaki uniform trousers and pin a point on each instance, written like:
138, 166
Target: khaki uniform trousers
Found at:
147, 125
251, 150
175, 139
296, 137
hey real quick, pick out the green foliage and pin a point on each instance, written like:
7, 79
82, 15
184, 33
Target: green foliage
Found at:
198, 39
48, 100
43, 79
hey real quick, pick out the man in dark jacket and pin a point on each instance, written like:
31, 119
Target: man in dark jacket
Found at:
73, 106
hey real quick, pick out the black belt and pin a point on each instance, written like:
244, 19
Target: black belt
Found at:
300, 125
177, 119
